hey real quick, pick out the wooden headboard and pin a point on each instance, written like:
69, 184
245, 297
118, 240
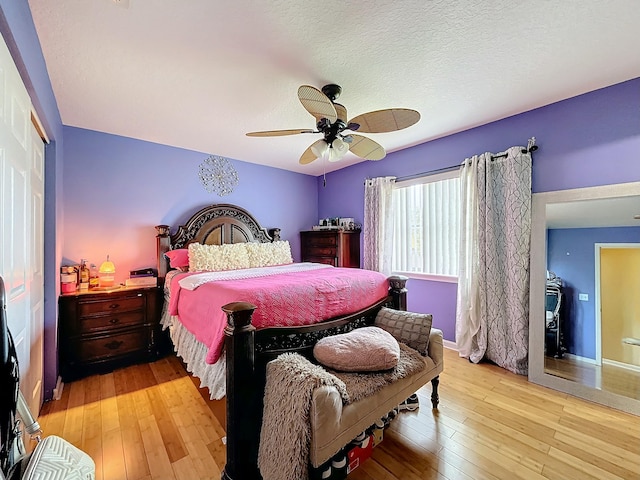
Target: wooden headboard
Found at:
213, 225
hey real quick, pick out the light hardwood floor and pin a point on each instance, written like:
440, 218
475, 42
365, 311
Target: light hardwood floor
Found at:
152, 422
612, 378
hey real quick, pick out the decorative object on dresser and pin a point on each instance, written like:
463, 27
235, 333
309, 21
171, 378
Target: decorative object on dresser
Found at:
100, 331
340, 248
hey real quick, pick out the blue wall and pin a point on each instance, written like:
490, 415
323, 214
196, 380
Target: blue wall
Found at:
571, 256
116, 189
592, 139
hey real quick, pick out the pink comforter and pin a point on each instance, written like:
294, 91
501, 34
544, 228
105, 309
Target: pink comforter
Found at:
299, 298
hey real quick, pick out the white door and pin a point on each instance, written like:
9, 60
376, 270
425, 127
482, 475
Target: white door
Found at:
22, 226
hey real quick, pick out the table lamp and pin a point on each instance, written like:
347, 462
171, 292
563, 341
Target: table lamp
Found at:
107, 273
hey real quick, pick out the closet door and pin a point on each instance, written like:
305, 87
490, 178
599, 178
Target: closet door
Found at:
21, 229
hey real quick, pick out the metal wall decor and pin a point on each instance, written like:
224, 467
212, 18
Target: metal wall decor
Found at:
217, 175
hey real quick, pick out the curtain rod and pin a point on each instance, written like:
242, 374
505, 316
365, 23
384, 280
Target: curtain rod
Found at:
531, 147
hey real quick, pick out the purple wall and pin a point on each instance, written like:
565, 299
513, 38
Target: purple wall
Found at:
571, 256
117, 189
19, 33
592, 139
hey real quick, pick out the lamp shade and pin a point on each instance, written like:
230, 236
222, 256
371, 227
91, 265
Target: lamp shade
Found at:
106, 273
320, 148
339, 148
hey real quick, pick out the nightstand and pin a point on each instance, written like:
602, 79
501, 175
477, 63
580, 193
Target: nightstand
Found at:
340, 248
101, 331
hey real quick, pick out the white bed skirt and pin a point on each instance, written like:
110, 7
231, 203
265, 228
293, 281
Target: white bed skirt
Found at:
194, 354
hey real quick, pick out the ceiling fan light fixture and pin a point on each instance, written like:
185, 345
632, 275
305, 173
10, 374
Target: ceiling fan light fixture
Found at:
320, 149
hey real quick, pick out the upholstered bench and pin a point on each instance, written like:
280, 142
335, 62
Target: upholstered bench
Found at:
334, 425
347, 388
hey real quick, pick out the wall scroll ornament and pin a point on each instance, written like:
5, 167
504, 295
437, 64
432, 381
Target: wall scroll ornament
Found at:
217, 175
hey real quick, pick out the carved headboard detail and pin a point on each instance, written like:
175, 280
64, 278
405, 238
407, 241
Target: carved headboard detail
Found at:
213, 225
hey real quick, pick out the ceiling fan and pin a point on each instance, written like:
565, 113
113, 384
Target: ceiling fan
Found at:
331, 122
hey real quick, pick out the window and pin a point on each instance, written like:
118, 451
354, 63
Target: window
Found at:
427, 226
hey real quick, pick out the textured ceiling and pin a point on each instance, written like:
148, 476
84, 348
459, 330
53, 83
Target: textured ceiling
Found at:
199, 74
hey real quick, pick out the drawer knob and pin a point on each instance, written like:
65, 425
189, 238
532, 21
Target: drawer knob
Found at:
114, 305
113, 321
114, 344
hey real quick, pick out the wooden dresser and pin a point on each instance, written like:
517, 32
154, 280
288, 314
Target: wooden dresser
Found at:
100, 331
340, 248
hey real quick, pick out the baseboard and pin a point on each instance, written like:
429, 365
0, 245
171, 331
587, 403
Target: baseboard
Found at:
57, 392
450, 345
626, 366
580, 359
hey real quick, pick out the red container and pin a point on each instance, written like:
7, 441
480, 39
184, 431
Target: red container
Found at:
357, 455
68, 279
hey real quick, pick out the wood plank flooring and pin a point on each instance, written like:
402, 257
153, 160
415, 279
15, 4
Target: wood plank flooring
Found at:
152, 422
612, 378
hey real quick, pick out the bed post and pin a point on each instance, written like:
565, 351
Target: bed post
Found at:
398, 291
243, 417
163, 245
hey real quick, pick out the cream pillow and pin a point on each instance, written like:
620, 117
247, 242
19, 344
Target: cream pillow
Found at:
366, 349
267, 254
215, 258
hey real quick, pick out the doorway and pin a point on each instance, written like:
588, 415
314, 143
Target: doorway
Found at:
618, 305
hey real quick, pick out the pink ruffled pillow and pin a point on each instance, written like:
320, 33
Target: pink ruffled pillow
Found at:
366, 349
178, 258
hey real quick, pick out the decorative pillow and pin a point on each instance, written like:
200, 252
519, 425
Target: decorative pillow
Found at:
267, 254
366, 349
410, 328
178, 258
215, 258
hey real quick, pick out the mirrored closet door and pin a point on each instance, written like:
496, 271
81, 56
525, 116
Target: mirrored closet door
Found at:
585, 277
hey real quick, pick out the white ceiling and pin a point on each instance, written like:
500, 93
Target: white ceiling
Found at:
199, 74
601, 212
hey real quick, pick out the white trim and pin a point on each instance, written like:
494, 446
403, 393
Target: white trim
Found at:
450, 345
57, 392
579, 359
626, 366
429, 276
39, 127
597, 305
427, 178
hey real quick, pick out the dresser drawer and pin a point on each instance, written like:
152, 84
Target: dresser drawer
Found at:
325, 260
320, 240
108, 322
115, 305
109, 346
315, 250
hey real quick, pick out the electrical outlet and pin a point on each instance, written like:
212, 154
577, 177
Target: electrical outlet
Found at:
583, 297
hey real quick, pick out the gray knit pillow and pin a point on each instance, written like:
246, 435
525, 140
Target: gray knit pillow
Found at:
410, 328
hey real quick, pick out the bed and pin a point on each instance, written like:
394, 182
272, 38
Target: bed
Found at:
235, 366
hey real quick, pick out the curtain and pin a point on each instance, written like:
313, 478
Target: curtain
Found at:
378, 224
492, 315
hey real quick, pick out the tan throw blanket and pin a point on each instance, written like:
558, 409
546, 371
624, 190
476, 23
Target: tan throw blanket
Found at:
285, 436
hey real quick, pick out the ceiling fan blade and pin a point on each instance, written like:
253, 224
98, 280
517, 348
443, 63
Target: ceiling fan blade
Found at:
308, 156
317, 103
279, 133
388, 120
341, 112
366, 148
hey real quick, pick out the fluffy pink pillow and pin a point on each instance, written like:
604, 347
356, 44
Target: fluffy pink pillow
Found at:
178, 258
366, 349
